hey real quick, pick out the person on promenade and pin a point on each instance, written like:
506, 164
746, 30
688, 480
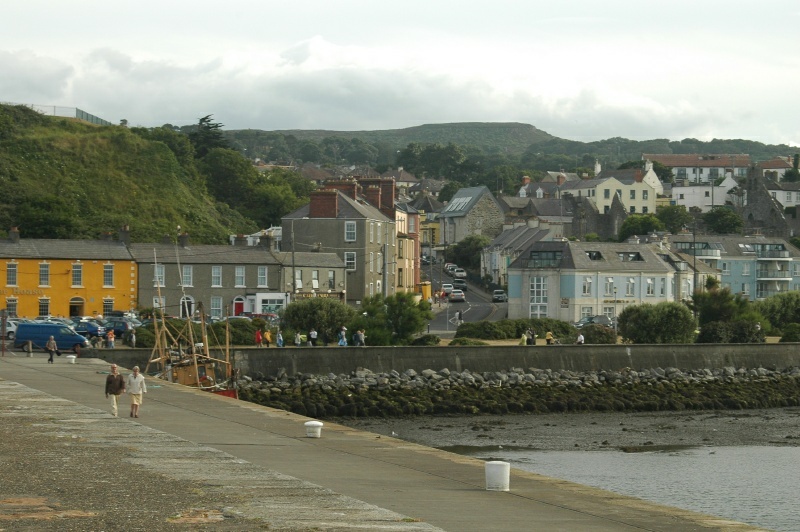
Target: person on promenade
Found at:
259, 338
136, 388
579, 340
279, 339
115, 386
297, 339
132, 338
531, 337
549, 338
343, 336
267, 337
523, 339
312, 337
110, 339
52, 348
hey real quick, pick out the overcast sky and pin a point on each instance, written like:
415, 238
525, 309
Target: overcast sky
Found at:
578, 69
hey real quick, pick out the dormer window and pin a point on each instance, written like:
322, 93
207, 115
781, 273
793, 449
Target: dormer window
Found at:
594, 255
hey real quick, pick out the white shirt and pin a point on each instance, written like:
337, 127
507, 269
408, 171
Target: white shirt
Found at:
136, 384
580, 339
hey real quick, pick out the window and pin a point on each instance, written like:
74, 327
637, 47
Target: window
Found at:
298, 279
609, 287
315, 279
379, 234
681, 173
619, 193
262, 276
331, 279
662, 287
44, 279
186, 275
538, 297
11, 274
594, 255
645, 210
608, 312
645, 194
399, 276
379, 266
371, 232
108, 306
371, 262
412, 224
726, 269
11, 306
587, 312
746, 268
158, 275
108, 275
239, 276
350, 260
630, 287
44, 307
544, 259
216, 276
632, 209
160, 303
633, 194
371, 289
400, 249
607, 193
708, 194
216, 306
349, 231
788, 196
630, 256
745, 289
680, 196
77, 274
606, 209
651, 287
587, 286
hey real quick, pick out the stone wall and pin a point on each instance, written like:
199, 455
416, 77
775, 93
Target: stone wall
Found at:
338, 360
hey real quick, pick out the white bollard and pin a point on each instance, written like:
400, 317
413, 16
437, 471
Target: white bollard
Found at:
313, 429
71, 359
497, 476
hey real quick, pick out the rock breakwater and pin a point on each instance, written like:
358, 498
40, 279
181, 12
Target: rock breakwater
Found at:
364, 393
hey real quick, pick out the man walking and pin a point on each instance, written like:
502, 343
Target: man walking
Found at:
115, 386
136, 388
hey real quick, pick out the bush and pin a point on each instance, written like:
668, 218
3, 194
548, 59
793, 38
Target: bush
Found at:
598, 334
426, 339
467, 341
791, 333
733, 332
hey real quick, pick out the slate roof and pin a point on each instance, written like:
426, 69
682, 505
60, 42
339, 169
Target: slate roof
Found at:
427, 203
201, 254
729, 245
401, 176
32, 248
463, 201
518, 238
774, 164
629, 174
575, 257
349, 209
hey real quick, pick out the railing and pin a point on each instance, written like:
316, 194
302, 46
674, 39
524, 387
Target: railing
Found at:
773, 254
68, 112
763, 294
763, 273
708, 253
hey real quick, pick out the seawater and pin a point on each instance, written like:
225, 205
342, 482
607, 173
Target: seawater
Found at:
754, 485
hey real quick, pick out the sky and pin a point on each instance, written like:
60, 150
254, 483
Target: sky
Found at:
578, 69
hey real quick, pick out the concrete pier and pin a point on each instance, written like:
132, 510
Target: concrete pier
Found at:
196, 459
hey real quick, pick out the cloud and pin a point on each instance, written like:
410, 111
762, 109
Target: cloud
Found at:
33, 79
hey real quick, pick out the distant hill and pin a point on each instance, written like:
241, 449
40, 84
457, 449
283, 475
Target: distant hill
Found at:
510, 137
62, 178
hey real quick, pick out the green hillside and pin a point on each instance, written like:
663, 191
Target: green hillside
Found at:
61, 178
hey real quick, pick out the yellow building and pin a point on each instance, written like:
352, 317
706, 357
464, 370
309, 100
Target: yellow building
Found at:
42, 277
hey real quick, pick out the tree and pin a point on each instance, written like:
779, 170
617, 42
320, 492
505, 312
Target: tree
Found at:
780, 310
393, 320
664, 173
467, 253
665, 323
722, 220
448, 191
718, 305
231, 177
324, 314
674, 217
639, 224
207, 136
793, 174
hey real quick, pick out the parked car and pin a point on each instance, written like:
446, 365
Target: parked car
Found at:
589, 320
459, 273
449, 267
461, 284
119, 326
457, 296
447, 288
11, 327
499, 296
90, 327
39, 333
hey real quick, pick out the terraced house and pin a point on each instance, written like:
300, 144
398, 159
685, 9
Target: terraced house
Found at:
67, 277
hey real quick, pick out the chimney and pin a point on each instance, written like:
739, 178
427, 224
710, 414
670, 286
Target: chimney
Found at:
125, 235
373, 195
266, 241
324, 204
348, 187
13, 235
526, 180
387, 196
597, 167
562, 178
240, 240
183, 240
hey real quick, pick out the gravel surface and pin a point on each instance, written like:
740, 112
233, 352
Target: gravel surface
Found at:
595, 431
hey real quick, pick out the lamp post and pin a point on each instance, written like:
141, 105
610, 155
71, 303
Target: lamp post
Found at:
615, 315
694, 267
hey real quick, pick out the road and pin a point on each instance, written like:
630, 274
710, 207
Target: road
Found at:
477, 307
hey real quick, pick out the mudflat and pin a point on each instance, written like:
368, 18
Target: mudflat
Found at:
630, 432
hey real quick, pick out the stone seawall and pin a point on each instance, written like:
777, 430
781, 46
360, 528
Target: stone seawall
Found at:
587, 358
